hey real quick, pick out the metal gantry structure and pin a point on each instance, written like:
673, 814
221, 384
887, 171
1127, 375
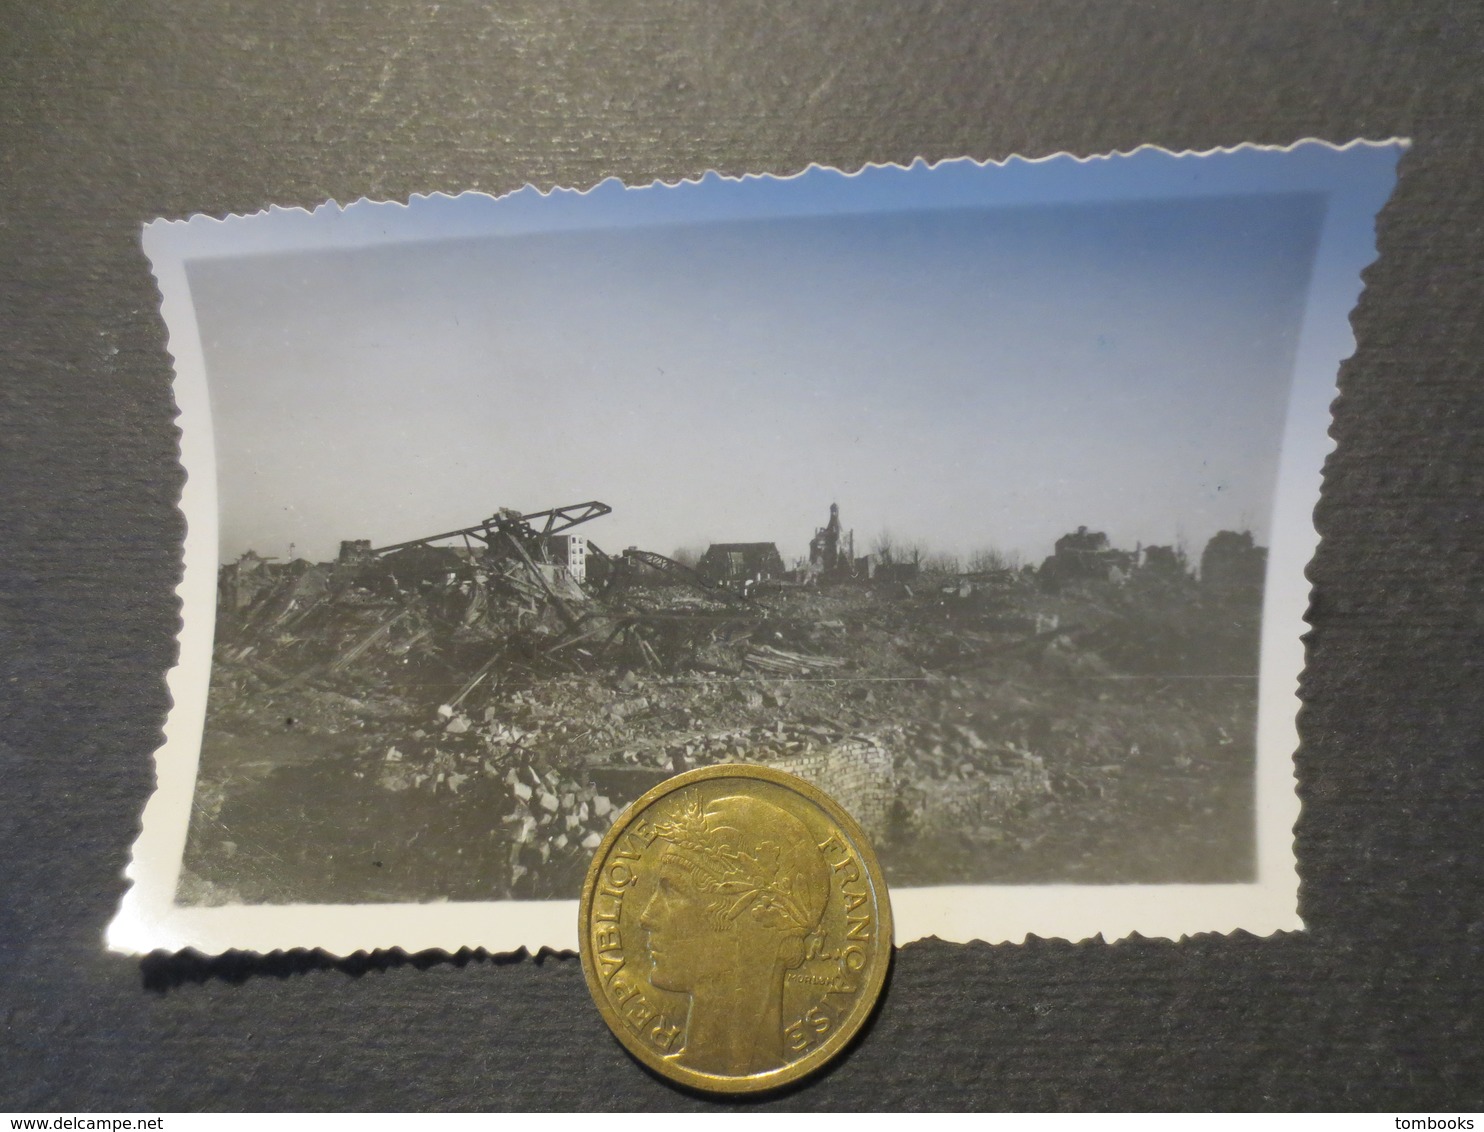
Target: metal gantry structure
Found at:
552, 521
681, 573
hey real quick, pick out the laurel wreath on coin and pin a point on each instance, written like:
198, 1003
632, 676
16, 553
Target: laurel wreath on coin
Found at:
738, 878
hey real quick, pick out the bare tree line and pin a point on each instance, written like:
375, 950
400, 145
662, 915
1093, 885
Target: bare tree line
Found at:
984, 560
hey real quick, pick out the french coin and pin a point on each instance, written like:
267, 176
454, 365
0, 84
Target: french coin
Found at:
735, 928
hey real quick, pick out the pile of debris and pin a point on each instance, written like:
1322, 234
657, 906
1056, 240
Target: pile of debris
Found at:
467, 720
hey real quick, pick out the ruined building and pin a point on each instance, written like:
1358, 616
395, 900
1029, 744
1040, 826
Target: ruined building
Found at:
1232, 566
831, 550
239, 583
1161, 561
570, 553
732, 563
1085, 555
355, 552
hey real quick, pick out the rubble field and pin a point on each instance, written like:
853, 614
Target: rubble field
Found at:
455, 731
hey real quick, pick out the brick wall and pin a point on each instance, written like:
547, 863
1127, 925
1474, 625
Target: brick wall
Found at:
856, 773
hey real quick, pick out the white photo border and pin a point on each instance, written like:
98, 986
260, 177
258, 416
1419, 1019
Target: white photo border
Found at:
149, 919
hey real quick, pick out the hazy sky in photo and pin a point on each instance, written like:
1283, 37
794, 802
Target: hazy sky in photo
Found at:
963, 378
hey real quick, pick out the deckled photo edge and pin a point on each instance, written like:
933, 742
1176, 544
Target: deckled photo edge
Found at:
150, 920
659, 183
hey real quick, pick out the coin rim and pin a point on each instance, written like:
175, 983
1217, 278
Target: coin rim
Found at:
815, 1058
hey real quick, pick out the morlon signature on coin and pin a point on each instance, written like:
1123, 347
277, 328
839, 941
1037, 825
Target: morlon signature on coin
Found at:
735, 928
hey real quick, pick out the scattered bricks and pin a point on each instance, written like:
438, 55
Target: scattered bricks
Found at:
971, 737
601, 806
626, 782
748, 696
592, 841
458, 725
395, 779
549, 802
625, 708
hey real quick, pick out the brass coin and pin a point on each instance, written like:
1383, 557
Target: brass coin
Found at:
735, 928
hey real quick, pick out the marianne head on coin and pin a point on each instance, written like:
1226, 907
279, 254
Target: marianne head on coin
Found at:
741, 887
735, 928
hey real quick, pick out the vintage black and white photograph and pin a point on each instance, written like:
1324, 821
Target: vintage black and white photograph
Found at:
979, 496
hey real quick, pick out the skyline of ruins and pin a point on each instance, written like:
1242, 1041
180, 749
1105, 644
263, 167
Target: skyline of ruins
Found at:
962, 378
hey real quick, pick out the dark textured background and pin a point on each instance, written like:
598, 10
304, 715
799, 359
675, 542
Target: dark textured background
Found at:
114, 114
